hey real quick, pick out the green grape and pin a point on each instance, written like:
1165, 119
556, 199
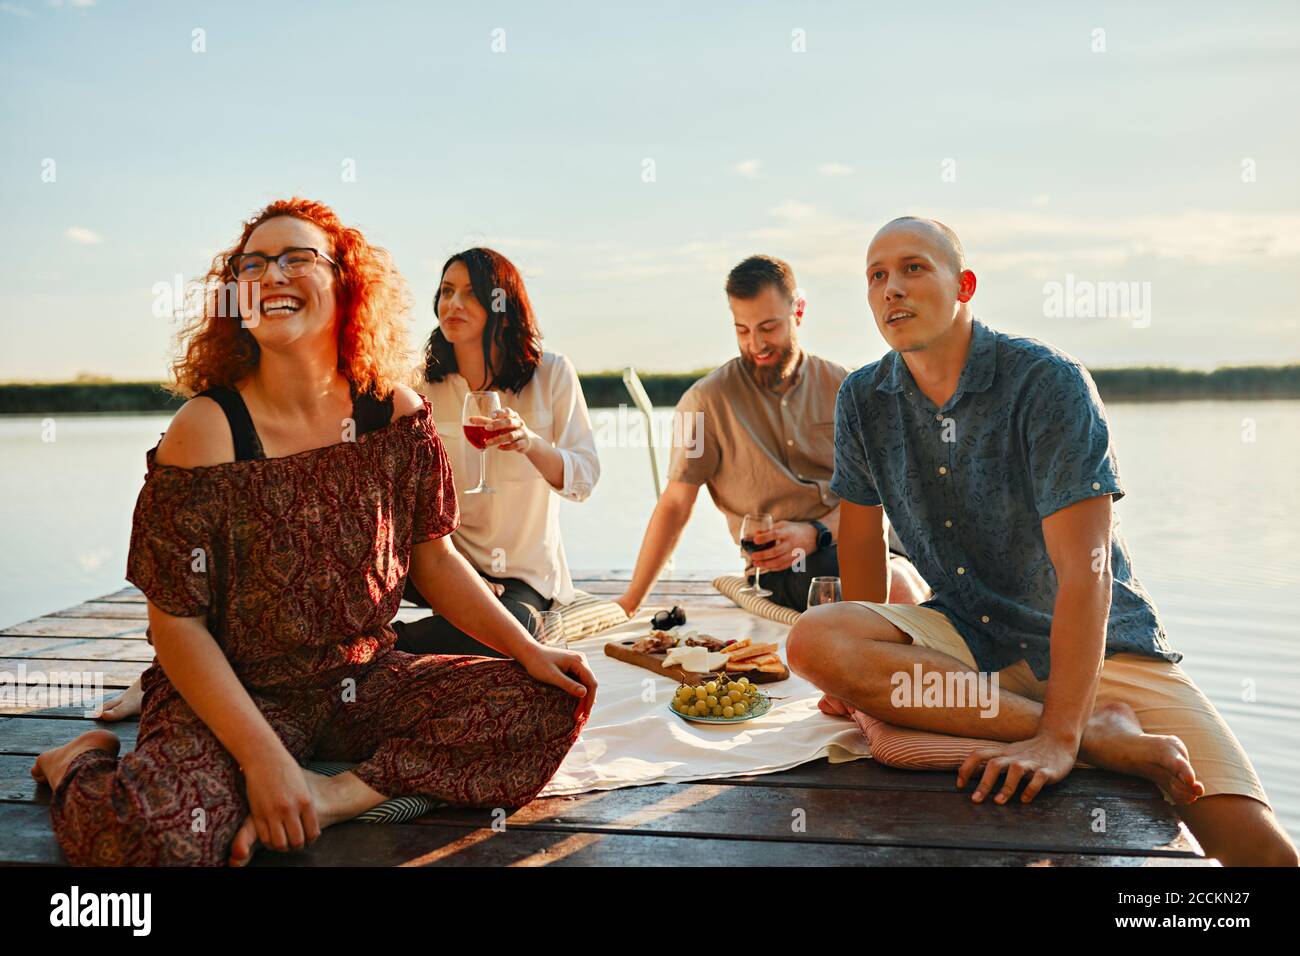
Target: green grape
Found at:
701, 709
701, 693
711, 701
711, 687
715, 711
728, 712
741, 708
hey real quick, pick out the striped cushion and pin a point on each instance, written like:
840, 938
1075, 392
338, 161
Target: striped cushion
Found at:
730, 585
588, 614
396, 810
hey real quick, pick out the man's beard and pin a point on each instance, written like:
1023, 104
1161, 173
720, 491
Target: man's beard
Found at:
771, 376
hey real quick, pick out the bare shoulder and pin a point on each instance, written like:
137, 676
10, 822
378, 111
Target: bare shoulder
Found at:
198, 437
406, 401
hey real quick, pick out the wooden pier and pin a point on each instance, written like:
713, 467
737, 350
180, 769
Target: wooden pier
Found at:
858, 813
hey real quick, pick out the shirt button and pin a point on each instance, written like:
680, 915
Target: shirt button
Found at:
943, 470
783, 403
789, 441
938, 418
1096, 486
985, 619
948, 523
1023, 645
961, 570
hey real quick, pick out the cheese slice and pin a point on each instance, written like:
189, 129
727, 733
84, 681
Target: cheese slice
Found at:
696, 659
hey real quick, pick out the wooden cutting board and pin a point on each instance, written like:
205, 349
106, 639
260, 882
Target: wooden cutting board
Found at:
622, 651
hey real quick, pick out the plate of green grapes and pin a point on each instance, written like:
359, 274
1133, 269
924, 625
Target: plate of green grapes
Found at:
720, 700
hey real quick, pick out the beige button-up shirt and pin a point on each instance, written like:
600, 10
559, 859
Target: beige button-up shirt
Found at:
759, 451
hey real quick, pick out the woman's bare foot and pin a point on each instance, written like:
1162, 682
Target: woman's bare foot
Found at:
336, 799
127, 704
53, 764
1114, 740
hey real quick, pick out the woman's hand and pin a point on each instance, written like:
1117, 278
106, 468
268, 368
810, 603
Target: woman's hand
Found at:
280, 803
564, 669
509, 433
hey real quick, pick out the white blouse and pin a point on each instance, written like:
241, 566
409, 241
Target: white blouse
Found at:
515, 533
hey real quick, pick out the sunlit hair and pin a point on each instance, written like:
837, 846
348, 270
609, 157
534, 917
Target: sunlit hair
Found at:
373, 309
499, 288
747, 280
956, 251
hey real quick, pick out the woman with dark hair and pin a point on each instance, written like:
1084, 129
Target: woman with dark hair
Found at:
540, 446
280, 517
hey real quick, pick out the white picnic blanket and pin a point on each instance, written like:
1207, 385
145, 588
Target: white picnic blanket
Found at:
632, 738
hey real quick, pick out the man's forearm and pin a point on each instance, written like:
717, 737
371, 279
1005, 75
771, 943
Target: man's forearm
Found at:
864, 558
661, 537
1078, 650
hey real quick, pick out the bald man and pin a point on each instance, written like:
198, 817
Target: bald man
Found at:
991, 456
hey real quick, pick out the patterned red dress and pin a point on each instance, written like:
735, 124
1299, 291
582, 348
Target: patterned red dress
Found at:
299, 564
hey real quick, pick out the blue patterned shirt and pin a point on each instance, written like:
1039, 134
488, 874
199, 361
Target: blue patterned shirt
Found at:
967, 486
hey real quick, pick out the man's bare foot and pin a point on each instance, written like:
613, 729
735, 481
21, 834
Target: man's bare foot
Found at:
336, 799
127, 704
1114, 740
53, 764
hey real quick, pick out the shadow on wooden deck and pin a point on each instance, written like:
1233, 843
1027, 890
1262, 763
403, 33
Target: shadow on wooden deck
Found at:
858, 813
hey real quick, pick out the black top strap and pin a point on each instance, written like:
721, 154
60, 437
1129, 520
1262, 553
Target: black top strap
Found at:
247, 444
370, 413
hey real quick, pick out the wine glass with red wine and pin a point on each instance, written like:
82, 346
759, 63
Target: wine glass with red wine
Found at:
752, 524
475, 415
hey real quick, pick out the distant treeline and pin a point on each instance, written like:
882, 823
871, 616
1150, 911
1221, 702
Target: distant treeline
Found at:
605, 389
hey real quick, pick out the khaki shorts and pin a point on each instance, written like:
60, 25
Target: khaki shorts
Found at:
1163, 696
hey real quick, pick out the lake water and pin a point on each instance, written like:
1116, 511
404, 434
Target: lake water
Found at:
1211, 520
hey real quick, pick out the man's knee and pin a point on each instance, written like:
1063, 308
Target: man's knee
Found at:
825, 636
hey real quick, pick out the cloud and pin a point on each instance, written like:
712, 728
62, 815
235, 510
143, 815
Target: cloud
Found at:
84, 236
747, 168
834, 169
14, 10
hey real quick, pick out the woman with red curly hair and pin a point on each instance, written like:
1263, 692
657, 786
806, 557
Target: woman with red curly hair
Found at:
280, 516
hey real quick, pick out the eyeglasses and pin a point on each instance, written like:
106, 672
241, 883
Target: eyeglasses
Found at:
248, 266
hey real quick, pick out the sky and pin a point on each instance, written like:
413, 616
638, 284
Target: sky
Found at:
626, 156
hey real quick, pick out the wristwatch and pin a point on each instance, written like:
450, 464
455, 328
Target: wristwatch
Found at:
824, 539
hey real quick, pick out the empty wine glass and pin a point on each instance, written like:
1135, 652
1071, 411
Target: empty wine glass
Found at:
550, 627
823, 591
751, 525
475, 415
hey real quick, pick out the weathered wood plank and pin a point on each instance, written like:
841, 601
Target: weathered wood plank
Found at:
681, 589
1051, 823
28, 838
77, 648
625, 574
30, 841
110, 609
34, 735
56, 702
16, 783
79, 627
109, 673
872, 775
359, 844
